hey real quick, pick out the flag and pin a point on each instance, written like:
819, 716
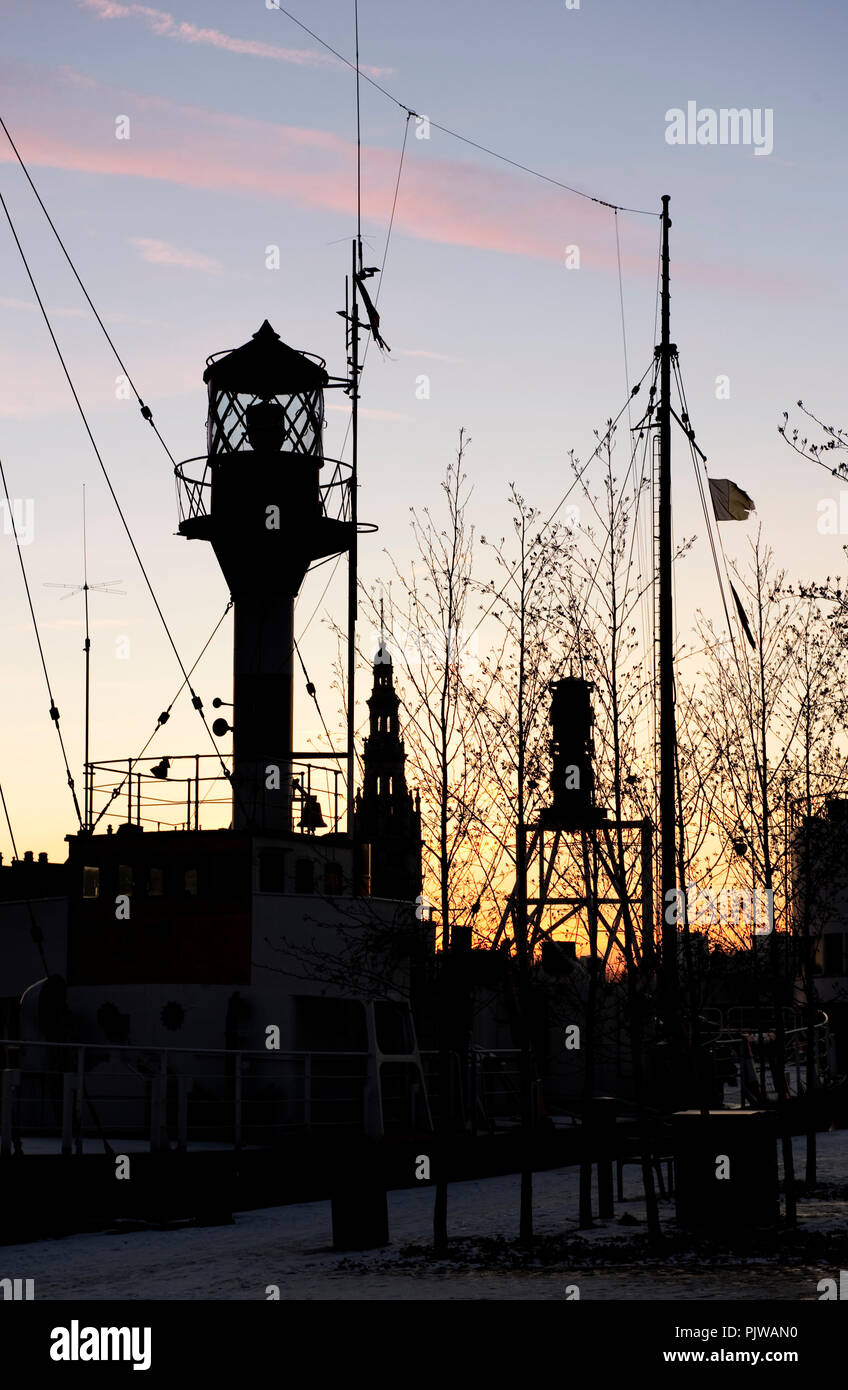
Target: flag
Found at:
730, 503
373, 316
742, 615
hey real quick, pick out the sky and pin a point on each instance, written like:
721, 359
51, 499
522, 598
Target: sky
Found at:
174, 146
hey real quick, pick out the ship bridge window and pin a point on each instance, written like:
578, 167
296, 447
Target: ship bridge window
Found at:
91, 882
394, 1034
272, 871
304, 876
834, 944
333, 880
125, 879
229, 877
402, 1096
155, 882
329, 1025
190, 882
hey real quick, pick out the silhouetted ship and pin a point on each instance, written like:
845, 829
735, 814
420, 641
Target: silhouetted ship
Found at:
249, 984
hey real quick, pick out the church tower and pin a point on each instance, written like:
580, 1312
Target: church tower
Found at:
387, 816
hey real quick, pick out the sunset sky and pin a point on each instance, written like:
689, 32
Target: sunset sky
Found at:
242, 137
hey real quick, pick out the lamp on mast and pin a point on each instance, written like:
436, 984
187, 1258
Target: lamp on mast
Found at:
262, 505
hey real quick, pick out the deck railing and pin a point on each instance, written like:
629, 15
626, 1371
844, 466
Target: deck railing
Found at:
64, 1097
194, 493
191, 791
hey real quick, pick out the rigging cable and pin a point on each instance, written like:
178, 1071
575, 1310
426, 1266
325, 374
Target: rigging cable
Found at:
456, 135
601, 553
196, 700
310, 690
705, 508
54, 713
368, 342
146, 412
545, 524
623, 325
163, 717
690, 434
369, 339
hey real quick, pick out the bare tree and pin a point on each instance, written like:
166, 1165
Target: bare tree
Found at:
764, 721
425, 623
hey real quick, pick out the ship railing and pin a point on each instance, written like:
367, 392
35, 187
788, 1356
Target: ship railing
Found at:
194, 492
747, 1018
190, 791
491, 1094
69, 1098
745, 1050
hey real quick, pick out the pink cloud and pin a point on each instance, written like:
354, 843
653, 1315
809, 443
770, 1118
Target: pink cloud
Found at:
34, 387
441, 200
29, 306
162, 253
164, 25
425, 352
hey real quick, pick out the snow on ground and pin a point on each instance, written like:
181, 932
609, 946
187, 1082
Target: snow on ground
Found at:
290, 1247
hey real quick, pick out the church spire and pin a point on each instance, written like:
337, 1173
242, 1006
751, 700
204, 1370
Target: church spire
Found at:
387, 817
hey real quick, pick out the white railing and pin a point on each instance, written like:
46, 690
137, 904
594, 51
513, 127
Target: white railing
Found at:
58, 1096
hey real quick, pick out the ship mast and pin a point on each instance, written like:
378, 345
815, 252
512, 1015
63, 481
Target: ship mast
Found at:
669, 981
87, 810
352, 572
352, 562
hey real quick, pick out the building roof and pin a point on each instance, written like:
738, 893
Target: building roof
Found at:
266, 366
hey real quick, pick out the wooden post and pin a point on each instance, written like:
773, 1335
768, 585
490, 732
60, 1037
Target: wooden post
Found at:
184, 1085
80, 1092
647, 853
11, 1078
237, 1100
307, 1094
69, 1089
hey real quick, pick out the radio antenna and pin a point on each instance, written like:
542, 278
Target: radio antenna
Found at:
106, 587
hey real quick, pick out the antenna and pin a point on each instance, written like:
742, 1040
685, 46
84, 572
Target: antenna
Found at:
669, 980
358, 141
352, 324
106, 587
359, 273
352, 581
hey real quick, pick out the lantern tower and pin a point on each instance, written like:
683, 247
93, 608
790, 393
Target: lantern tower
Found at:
268, 515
